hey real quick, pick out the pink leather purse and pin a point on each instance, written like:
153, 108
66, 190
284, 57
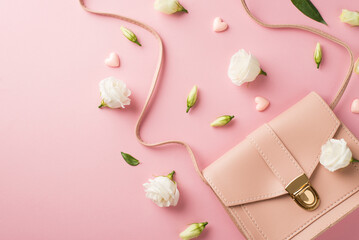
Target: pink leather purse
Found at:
271, 183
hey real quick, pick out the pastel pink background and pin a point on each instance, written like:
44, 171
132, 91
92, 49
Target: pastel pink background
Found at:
61, 172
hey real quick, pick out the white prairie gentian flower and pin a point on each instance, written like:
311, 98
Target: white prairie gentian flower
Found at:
222, 120
162, 190
318, 55
114, 93
169, 6
356, 66
244, 67
193, 231
335, 155
192, 98
350, 17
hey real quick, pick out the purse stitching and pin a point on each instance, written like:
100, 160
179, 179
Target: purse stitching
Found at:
241, 223
284, 149
311, 169
302, 226
267, 160
354, 140
243, 200
254, 221
345, 196
350, 135
337, 123
306, 223
279, 192
325, 210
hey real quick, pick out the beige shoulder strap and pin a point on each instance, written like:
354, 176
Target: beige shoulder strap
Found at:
344, 84
159, 64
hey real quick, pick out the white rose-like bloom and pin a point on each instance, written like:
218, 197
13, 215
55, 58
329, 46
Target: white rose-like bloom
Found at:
335, 155
162, 190
114, 93
169, 6
244, 67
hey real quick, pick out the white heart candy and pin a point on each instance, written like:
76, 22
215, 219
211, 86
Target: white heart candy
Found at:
262, 103
219, 25
113, 60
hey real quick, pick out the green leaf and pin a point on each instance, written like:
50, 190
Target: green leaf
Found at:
308, 9
129, 159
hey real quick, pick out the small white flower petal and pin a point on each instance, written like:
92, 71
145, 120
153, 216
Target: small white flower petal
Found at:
114, 93
335, 154
162, 191
243, 67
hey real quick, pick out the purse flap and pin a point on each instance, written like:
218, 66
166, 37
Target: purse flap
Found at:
242, 175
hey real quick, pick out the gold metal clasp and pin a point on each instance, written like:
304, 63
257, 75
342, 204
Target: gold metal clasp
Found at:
303, 193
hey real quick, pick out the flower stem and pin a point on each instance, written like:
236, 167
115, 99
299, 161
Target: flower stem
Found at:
183, 10
137, 42
101, 105
204, 224
170, 175
354, 160
188, 108
263, 72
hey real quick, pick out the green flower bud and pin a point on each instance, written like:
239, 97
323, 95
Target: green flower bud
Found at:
222, 120
169, 6
356, 66
318, 55
130, 35
193, 231
350, 17
192, 98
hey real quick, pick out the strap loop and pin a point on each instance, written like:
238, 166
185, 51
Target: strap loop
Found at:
159, 64
318, 32
152, 88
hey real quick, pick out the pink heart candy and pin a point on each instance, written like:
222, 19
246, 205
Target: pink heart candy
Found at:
113, 60
219, 25
262, 103
355, 106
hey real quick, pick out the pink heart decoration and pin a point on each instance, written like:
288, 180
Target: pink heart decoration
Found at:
219, 25
262, 103
355, 106
113, 60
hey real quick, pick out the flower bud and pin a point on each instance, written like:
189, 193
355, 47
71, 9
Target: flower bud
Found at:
193, 231
356, 66
318, 55
350, 17
192, 98
222, 120
130, 35
169, 6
